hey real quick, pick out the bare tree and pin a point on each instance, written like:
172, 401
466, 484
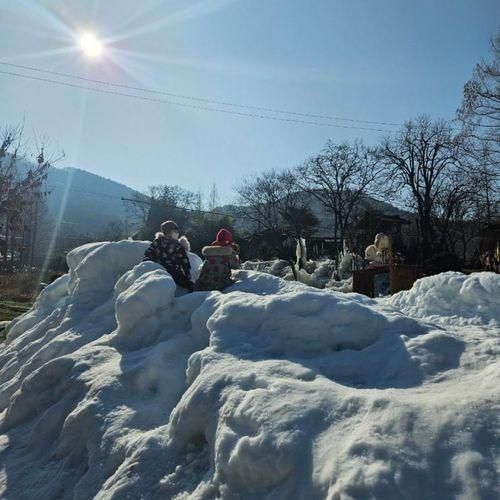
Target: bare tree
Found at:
138, 208
273, 206
453, 212
423, 162
480, 109
259, 199
479, 114
339, 178
165, 202
485, 177
271, 201
213, 198
21, 192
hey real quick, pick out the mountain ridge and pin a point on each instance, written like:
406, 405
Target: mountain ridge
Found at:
84, 202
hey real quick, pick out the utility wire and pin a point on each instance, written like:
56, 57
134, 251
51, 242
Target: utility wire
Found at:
144, 201
198, 99
63, 186
191, 106
168, 205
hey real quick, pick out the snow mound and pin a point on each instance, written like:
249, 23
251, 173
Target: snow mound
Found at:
316, 274
453, 297
277, 267
117, 385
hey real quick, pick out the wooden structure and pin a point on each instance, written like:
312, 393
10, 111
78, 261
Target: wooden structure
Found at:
363, 281
401, 277
318, 246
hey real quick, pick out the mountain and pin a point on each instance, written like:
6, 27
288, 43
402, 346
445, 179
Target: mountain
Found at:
87, 203
324, 216
84, 202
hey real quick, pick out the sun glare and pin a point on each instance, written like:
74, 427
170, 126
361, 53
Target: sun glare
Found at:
90, 45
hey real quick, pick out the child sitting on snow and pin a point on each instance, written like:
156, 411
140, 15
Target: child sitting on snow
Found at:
220, 258
170, 251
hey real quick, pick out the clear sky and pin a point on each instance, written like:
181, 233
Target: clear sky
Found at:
374, 60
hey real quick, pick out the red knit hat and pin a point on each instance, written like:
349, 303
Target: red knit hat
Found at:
224, 238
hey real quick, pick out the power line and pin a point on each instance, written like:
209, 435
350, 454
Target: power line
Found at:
55, 184
168, 205
144, 201
191, 106
198, 99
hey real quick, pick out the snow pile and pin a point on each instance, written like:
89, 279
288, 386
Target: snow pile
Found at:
320, 274
343, 286
453, 298
277, 267
317, 273
116, 385
348, 262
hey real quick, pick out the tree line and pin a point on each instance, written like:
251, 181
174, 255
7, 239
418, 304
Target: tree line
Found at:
427, 168
22, 191
443, 175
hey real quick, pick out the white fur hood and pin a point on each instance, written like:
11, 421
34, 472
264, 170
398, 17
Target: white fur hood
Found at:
183, 241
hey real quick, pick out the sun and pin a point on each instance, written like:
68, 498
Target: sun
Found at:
90, 45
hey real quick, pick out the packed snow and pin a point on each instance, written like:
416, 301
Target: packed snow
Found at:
315, 273
116, 384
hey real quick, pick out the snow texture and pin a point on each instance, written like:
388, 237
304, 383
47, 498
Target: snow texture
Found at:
318, 274
453, 298
117, 385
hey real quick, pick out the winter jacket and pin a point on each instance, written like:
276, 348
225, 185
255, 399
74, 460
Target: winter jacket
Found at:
171, 254
216, 270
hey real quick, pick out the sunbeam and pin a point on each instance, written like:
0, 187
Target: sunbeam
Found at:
132, 68
135, 17
236, 68
63, 51
190, 63
64, 201
200, 8
45, 17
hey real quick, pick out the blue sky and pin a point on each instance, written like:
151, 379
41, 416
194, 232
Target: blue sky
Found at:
375, 60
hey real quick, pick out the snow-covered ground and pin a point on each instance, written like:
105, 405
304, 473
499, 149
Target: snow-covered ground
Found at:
115, 385
317, 273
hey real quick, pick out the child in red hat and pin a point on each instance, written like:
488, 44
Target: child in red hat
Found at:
220, 257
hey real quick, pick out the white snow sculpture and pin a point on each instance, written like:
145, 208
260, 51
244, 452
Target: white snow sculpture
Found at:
379, 252
301, 253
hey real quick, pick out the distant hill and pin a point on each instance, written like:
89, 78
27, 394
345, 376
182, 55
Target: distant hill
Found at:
86, 203
325, 218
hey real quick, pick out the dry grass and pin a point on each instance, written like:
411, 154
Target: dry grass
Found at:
17, 292
10, 310
19, 287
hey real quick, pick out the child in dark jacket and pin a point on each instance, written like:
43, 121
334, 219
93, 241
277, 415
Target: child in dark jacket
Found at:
170, 251
220, 257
